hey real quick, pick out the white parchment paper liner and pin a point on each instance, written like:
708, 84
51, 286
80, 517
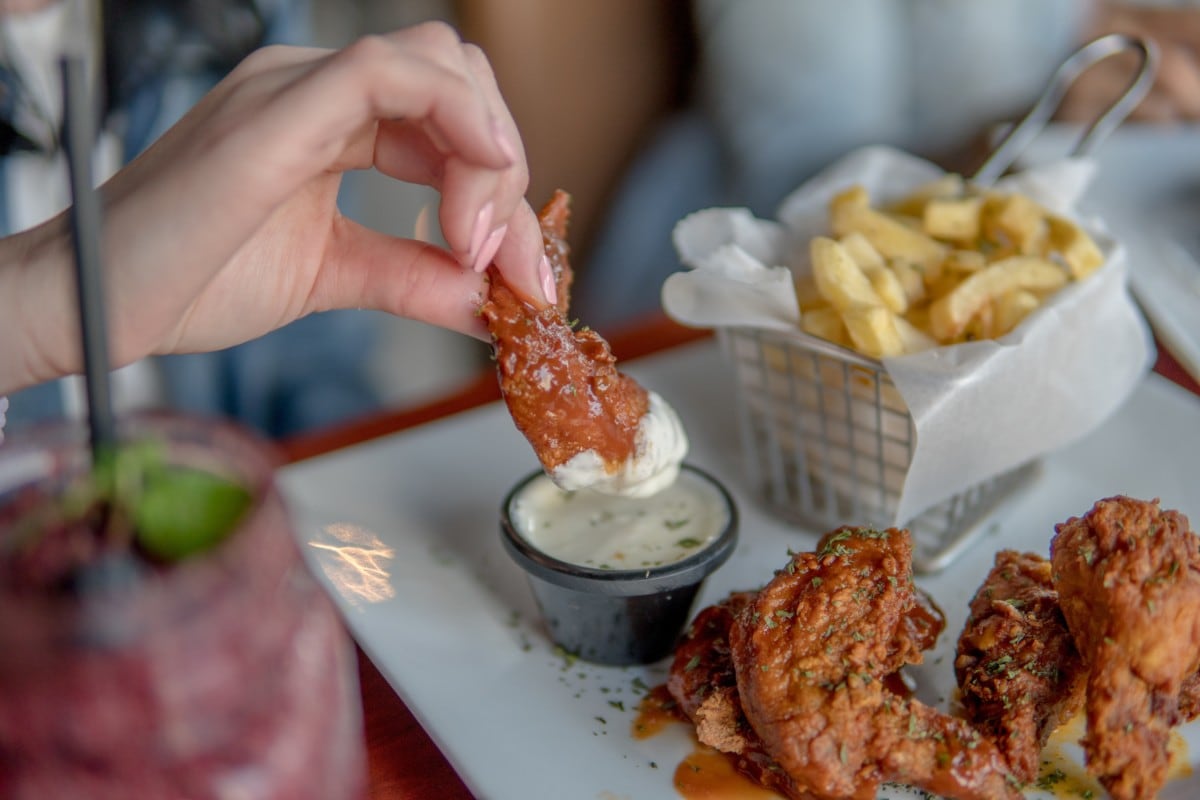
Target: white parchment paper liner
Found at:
979, 408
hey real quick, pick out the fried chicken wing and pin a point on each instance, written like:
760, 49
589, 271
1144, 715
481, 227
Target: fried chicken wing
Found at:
703, 682
1019, 673
590, 425
1128, 579
810, 653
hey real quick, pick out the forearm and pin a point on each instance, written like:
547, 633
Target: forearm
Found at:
38, 332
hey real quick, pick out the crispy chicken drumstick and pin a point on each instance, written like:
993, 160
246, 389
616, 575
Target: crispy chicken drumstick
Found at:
810, 654
1017, 667
1128, 580
703, 682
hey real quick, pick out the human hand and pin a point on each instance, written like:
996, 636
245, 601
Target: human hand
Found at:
227, 227
1175, 96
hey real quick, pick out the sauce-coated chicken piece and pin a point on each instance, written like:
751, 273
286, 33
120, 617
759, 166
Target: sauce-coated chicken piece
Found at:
1128, 580
810, 654
1019, 673
561, 385
703, 682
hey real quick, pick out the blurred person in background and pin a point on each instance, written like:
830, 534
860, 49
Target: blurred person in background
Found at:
160, 57
678, 106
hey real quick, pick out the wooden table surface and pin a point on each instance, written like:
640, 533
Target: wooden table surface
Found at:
404, 763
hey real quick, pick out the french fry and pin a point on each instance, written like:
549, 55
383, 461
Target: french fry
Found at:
843, 206
944, 284
1012, 307
965, 261
950, 313
890, 290
944, 264
913, 204
981, 325
839, 278
1078, 250
826, 323
1016, 219
912, 338
953, 219
863, 252
910, 278
885, 283
890, 236
873, 331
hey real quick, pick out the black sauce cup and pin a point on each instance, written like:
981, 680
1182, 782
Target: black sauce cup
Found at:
617, 617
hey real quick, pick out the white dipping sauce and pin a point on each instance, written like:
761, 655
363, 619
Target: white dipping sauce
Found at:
621, 533
659, 447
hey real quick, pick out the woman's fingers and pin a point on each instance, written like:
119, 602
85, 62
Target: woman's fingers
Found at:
481, 203
426, 77
411, 279
481, 206
522, 258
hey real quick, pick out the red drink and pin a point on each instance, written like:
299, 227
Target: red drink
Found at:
224, 675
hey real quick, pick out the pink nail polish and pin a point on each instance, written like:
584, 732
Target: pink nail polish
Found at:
503, 142
546, 274
483, 223
488, 251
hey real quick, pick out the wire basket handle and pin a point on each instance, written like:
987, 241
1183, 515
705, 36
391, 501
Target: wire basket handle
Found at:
1019, 137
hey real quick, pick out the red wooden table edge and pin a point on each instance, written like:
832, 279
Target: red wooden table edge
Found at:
642, 338
403, 761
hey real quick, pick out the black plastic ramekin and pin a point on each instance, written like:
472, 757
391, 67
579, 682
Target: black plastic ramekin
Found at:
620, 617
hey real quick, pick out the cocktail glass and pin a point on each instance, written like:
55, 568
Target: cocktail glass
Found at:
225, 674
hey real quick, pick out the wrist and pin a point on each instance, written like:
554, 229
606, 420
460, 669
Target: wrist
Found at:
38, 330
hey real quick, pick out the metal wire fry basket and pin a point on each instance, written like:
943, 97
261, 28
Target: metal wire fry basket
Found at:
828, 441
827, 437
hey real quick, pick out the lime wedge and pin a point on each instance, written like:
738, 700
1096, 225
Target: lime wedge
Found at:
184, 511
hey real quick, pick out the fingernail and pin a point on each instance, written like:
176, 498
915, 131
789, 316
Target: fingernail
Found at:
488, 251
547, 277
503, 142
483, 224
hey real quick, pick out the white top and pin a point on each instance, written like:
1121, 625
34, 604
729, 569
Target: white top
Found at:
794, 84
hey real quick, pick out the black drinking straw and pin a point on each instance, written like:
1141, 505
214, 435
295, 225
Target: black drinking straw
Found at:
79, 137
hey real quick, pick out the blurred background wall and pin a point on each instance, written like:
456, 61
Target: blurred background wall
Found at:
412, 361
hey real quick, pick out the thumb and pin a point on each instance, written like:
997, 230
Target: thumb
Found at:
369, 269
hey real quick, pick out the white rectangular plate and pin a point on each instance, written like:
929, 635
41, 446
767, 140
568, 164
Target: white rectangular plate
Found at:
405, 533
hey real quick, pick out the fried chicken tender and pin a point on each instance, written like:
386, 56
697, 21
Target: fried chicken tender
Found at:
561, 385
1128, 579
810, 653
703, 683
591, 426
1019, 673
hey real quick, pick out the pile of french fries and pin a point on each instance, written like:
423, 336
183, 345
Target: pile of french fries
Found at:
945, 264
